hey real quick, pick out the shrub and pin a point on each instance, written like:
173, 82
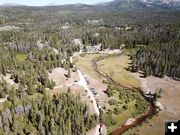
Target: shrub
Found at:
125, 107
117, 111
110, 92
109, 120
112, 102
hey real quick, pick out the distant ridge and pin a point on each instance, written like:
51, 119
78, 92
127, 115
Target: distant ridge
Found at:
52, 4
10, 5
114, 6
140, 5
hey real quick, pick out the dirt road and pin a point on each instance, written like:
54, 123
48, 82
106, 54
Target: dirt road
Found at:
83, 83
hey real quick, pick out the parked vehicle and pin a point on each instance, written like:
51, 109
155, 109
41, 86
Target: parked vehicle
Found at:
100, 131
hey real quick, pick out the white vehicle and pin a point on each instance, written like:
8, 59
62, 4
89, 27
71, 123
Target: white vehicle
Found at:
100, 131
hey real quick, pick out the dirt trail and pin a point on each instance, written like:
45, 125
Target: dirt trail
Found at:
83, 83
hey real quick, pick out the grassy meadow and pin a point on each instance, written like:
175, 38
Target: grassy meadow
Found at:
115, 67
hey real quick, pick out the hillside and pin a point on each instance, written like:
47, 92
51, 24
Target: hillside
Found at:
113, 6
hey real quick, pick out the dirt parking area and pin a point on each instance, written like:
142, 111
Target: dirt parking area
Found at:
58, 75
99, 88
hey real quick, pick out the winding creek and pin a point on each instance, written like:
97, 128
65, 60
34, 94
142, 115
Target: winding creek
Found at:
138, 120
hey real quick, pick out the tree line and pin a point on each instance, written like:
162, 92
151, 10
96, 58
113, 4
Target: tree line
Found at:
62, 114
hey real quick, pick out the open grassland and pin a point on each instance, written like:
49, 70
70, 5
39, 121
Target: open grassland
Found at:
122, 105
21, 57
115, 67
84, 63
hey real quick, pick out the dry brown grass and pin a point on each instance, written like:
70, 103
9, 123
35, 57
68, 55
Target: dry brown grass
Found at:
84, 63
115, 68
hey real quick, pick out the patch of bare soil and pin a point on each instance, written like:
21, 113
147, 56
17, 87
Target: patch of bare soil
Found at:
8, 28
7, 79
108, 51
169, 103
170, 93
58, 75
